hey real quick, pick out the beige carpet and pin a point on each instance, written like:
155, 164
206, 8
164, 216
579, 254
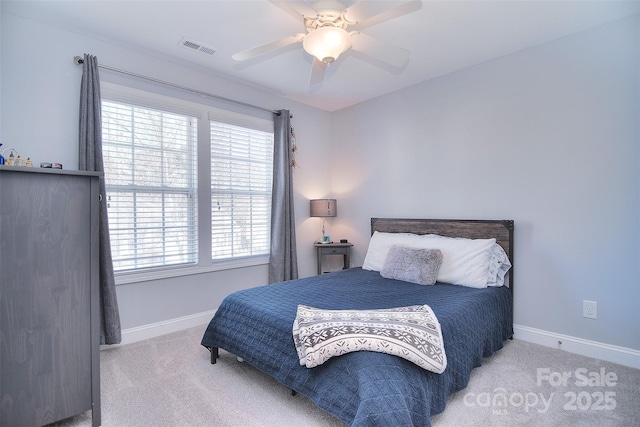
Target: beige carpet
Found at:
168, 381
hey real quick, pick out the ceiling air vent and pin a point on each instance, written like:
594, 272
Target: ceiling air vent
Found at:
190, 44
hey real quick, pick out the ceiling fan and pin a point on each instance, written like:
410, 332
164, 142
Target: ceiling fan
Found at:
333, 28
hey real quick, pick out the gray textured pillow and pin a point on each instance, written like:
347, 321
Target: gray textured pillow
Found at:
413, 265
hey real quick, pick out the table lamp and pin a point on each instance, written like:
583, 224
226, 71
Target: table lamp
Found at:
323, 208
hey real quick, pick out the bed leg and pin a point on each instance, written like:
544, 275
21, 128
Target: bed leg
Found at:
214, 354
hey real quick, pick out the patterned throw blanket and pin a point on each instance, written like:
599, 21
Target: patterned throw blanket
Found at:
412, 333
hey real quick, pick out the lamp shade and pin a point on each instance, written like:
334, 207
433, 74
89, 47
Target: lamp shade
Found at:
323, 207
326, 43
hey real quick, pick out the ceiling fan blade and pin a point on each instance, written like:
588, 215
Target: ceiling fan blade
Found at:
297, 9
388, 53
317, 72
266, 48
361, 13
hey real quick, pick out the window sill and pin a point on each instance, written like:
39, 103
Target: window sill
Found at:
125, 278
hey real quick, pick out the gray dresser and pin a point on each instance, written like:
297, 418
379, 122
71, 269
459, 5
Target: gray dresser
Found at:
49, 300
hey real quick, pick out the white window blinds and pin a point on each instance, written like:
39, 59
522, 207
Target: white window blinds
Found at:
150, 175
241, 175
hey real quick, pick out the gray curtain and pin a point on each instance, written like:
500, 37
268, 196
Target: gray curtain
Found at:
283, 261
91, 160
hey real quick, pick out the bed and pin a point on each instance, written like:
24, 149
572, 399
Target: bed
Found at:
370, 388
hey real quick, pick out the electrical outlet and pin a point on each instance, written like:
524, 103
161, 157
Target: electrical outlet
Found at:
590, 309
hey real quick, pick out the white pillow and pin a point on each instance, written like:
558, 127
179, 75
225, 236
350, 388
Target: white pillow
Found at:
464, 261
380, 244
499, 264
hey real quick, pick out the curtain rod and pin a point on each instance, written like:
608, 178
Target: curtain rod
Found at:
78, 60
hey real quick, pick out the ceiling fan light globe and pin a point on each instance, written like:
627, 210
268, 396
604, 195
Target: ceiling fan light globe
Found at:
326, 43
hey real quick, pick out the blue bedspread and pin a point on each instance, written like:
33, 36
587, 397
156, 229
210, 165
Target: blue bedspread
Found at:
364, 388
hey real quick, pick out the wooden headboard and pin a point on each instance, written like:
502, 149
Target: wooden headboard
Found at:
501, 230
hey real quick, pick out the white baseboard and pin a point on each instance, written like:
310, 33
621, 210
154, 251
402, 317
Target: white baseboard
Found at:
152, 330
611, 353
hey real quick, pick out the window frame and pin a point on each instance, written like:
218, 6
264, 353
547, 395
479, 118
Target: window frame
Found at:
203, 113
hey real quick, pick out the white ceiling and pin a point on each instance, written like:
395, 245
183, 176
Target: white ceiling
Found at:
443, 36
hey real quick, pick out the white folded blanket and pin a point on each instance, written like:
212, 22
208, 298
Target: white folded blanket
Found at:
412, 333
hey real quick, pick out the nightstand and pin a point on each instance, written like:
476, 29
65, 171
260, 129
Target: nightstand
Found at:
323, 249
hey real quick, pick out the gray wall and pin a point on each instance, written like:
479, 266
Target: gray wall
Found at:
548, 137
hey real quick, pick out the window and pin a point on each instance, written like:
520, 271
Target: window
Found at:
159, 156
150, 176
241, 164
